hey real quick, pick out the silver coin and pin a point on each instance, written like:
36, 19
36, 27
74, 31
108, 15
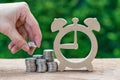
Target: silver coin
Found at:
30, 64
30, 59
32, 44
38, 56
49, 55
41, 65
52, 66
38, 61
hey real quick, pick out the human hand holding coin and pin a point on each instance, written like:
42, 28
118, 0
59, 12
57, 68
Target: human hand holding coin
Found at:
18, 23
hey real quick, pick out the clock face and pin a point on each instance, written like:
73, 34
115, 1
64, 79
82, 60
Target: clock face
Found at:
65, 39
84, 45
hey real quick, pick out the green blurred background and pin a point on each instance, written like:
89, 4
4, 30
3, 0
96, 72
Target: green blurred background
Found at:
106, 11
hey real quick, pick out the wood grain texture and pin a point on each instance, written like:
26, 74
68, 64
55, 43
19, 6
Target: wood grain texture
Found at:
104, 69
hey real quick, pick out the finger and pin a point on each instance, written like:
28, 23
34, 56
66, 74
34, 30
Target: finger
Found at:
10, 45
18, 40
24, 34
14, 49
34, 27
22, 31
29, 32
31, 51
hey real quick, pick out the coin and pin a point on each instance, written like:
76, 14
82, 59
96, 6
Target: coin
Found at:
32, 44
38, 56
49, 55
52, 66
41, 65
30, 64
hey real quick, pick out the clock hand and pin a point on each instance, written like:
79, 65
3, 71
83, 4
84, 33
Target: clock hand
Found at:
75, 37
71, 45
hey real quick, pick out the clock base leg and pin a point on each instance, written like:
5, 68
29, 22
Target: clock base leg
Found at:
89, 67
61, 67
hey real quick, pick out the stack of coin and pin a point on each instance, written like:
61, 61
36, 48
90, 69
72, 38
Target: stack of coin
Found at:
49, 55
30, 64
41, 65
52, 66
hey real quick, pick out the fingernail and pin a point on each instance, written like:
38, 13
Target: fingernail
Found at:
25, 47
30, 53
13, 51
9, 47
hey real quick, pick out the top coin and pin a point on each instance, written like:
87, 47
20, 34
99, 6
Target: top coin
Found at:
50, 50
32, 44
38, 56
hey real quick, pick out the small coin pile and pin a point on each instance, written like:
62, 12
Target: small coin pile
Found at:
30, 64
52, 66
49, 57
42, 63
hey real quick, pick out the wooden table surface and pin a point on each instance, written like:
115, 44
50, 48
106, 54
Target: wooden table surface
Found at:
104, 69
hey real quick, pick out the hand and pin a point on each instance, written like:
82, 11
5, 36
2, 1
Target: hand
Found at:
18, 23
